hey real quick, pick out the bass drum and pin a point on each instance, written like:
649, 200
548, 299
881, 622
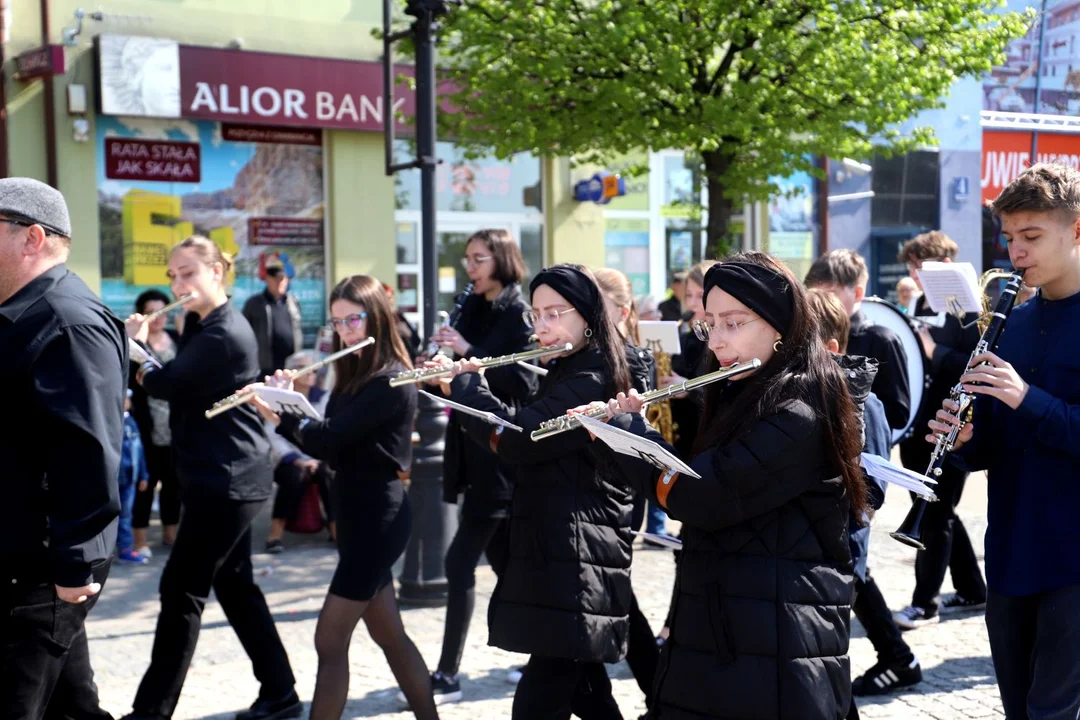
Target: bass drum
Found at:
884, 313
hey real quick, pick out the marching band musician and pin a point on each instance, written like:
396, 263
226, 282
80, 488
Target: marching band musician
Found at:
366, 438
490, 324
64, 357
843, 273
948, 547
225, 475
1026, 435
565, 593
642, 653
760, 626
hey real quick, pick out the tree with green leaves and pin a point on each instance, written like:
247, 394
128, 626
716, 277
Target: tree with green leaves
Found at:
756, 89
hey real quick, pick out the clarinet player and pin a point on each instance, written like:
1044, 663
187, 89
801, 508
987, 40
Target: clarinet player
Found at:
225, 475
1026, 435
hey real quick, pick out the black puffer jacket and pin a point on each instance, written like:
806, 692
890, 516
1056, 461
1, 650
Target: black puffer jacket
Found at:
565, 592
492, 329
761, 621
642, 367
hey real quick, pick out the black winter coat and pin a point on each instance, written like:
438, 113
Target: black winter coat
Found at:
761, 619
642, 367
565, 592
492, 329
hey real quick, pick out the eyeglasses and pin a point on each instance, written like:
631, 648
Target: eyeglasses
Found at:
20, 223
550, 317
474, 261
727, 328
353, 321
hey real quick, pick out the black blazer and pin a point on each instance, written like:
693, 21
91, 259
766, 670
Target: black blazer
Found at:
492, 329
565, 592
228, 456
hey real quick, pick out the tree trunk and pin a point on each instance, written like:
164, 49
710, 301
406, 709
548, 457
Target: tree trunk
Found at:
717, 242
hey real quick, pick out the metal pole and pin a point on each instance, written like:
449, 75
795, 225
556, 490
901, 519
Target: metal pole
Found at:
423, 36
1038, 79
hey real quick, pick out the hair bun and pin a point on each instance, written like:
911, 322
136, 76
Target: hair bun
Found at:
227, 260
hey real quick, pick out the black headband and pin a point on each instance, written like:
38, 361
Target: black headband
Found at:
764, 291
577, 287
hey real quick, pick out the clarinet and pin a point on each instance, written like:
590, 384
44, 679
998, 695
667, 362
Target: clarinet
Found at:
910, 531
459, 301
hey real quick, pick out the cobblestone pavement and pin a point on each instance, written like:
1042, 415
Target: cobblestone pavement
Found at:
955, 654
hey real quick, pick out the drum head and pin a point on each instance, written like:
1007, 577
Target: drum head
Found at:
884, 313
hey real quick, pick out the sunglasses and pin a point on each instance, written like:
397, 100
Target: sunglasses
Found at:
353, 321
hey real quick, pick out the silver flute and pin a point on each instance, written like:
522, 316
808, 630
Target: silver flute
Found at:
564, 423
420, 375
238, 399
169, 308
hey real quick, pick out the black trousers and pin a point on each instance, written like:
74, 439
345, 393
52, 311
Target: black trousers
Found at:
948, 546
161, 463
553, 688
1035, 643
475, 536
44, 661
212, 550
876, 618
291, 484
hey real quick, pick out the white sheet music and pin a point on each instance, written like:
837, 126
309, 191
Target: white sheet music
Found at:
490, 418
139, 354
666, 332
942, 281
881, 469
287, 401
630, 444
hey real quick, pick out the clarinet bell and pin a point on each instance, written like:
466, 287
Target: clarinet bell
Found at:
910, 531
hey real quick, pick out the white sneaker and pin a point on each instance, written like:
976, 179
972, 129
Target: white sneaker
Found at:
145, 552
514, 676
912, 617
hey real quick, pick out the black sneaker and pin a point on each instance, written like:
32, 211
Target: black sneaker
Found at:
886, 677
914, 616
275, 547
265, 709
444, 688
955, 603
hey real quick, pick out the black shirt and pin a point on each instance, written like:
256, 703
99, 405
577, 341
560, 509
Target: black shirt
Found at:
282, 338
228, 456
891, 384
64, 356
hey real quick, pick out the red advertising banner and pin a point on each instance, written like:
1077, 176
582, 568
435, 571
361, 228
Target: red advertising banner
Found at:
236, 132
152, 160
1006, 154
157, 77
285, 231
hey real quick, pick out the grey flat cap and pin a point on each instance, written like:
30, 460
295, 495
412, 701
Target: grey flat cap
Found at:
34, 201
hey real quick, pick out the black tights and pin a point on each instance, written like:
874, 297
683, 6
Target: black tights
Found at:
333, 634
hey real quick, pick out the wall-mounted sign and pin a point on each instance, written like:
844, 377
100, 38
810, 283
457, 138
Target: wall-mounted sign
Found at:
156, 77
39, 62
152, 160
600, 188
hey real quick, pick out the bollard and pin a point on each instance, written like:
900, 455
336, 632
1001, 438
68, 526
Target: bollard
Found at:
423, 577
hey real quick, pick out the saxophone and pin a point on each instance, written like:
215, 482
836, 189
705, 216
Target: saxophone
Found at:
659, 414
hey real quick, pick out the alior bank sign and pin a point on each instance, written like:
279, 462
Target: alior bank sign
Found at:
155, 77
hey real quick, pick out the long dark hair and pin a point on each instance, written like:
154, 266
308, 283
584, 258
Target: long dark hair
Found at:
802, 369
354, 371
605, 336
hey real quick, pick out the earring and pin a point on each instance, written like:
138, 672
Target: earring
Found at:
588, 332
776, 345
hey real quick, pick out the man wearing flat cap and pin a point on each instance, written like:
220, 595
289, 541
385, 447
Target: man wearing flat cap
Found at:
64, 360
274, 315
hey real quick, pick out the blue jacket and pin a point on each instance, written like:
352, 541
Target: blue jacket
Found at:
132, 458
1032, 454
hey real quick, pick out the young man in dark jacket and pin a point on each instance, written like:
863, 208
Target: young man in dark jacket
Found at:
947, 350
1026, 435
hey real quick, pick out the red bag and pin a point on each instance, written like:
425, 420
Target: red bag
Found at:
308, 518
